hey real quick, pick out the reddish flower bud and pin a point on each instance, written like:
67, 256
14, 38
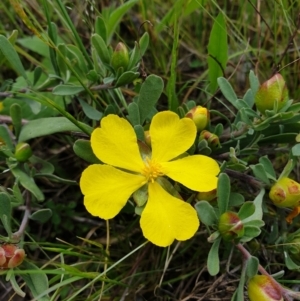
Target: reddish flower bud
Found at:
10, 256
120, 57
23, 152
263, 288
271, 91
200, 116
230, 226
285, 193
212, 139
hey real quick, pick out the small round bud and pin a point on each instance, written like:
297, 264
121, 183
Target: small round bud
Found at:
271, 91
200, 116
285, 193
11, 256
23, 151
230, 226
263, 288
212, 139
120, 57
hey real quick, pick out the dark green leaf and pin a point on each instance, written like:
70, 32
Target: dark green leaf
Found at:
66, 90
260, 173
100, 28
5, 137
213, 262
150, 92
127, 78
206, 213
5, 212
46, 126
42, 215
223, 192
82, 148
37, 282
268, 166
90, 111
139, 130
16, 116
27, 182
12, 56
101, 48
134, 113
217, 51
246, 210
38, 71
41, 166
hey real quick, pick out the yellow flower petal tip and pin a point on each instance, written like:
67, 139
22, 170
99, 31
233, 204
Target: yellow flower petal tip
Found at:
108, 187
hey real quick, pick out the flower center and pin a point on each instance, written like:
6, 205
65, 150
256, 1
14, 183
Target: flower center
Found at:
152, 170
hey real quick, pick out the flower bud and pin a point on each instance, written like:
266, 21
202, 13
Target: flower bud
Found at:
263, 288
230, 226
10, 256
120, 57
285, 193
207, 195
269, 92
212, 139
200, 116
147, 138
23, 151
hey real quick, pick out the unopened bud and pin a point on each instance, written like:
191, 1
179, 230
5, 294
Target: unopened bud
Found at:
271, 91
200, 116
207, 195
212, 139
285, 193
10, 256
120, 57
263, 288
230, 226
23, 151
147, 138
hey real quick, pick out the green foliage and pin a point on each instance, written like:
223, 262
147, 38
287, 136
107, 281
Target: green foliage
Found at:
60, 76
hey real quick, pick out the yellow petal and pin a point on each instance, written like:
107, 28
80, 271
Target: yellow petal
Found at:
166, 218
170, 136
107, 189
196, 172
115, 143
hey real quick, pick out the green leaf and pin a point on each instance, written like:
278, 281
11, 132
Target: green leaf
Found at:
258, 214
268, 167
251, 231
246, 210
139, 131
150, 92
27, 182
37, 282
249, 98
82, 148
116, 17
16, 116
90, 111
223, 192
46, 126
134, 113
100, 28
42, 215
15, 285
227, 91
126, 78
206, 213
5, 137
66, 90
252, 267
213, 262
290, 264
260, 173
217, 51
254, 82
41, 166
12, 56
101, 48
37, 73
235, 199
5, 212
296, 150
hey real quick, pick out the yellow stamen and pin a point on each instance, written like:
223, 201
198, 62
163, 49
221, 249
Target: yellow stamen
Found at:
152, 170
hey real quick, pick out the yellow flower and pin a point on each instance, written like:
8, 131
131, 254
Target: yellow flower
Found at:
107, 187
